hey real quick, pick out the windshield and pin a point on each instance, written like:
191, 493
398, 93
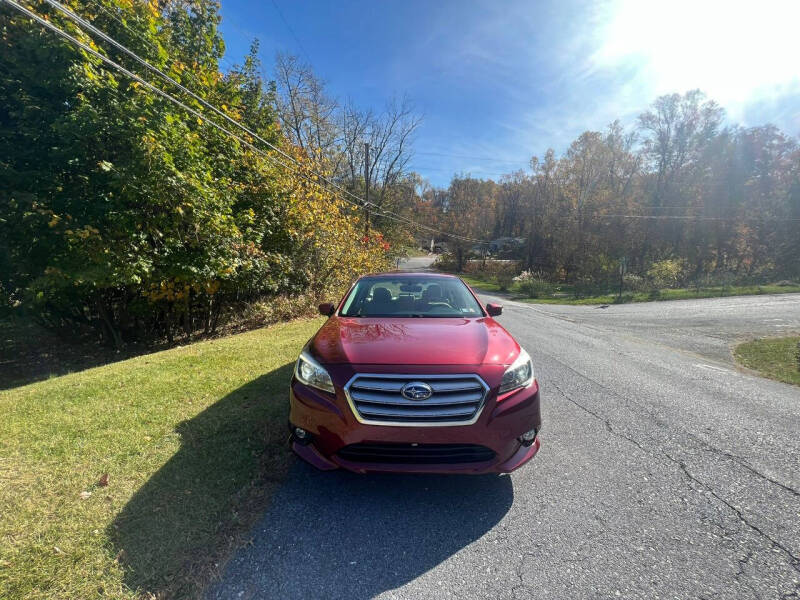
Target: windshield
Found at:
411, 297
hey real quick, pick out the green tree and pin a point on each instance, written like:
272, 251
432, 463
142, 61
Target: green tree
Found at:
123, 212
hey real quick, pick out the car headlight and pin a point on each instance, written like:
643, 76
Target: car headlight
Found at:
518, 375
310, 372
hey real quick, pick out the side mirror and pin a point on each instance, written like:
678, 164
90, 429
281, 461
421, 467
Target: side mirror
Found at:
494, 309
326, 309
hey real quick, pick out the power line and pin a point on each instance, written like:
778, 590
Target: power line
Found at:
138, 34
203, 118
363, 203
359, 202
291, 31
147, 84
80, 20
699, 218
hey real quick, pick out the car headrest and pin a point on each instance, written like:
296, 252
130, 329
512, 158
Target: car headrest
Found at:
381, 295
433, 292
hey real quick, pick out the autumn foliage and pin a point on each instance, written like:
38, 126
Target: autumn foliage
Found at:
122, 213
679, 199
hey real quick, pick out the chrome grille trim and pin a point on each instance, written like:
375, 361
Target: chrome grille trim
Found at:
457, 399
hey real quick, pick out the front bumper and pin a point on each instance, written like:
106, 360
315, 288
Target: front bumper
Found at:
332, 425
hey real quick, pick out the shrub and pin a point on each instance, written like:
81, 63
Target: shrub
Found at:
476, 268
665, 273
586, 286
599, 269
261, 313
726, 279
504, 278
446, 262
701, 281
500, 272
634, 283
533, 284
797, 356
626, 297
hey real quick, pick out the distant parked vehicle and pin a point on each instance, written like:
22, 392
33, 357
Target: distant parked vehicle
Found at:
411, 373
506, 246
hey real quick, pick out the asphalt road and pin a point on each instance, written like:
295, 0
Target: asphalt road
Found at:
664, 473
416, 263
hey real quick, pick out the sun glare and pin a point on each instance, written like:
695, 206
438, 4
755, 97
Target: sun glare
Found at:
734, 51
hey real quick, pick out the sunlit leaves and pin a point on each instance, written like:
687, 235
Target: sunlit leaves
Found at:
120, 208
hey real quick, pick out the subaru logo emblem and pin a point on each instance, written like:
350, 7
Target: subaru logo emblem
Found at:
416, 390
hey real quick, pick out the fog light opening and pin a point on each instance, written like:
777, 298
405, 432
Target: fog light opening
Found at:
527, 438
301, 436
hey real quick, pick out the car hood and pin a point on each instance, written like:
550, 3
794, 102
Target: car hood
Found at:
414, 341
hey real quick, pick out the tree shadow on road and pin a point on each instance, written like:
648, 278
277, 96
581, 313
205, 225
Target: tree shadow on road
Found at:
341, 535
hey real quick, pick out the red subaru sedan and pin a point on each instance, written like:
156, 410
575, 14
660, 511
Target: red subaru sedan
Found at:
411, 373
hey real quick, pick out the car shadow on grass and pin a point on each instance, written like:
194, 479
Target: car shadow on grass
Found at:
191, 513
341, 535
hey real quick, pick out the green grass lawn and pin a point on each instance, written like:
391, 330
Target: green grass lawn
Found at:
566, 293
193, 442
775, 358
483, 284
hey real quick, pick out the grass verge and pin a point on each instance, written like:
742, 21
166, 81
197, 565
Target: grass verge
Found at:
192, 440
566, 293
776, 358
483, 284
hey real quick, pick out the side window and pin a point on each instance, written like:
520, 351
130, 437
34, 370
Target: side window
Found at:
348, 307
355, 302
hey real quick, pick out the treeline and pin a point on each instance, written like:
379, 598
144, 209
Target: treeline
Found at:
122, 213
681, 196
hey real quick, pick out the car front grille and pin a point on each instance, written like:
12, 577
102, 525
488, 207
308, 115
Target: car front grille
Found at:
455, 399
416, 454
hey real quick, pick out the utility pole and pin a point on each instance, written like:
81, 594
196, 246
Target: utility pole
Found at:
366, 188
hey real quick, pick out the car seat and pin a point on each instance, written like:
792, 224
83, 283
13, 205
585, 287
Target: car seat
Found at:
381, 303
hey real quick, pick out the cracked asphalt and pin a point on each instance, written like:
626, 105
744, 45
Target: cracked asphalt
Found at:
665, 472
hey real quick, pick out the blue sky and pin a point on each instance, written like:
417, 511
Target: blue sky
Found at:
500, 81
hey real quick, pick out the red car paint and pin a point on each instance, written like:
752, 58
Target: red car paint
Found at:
417, 348
407, 341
